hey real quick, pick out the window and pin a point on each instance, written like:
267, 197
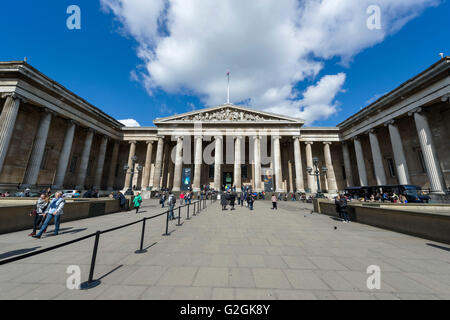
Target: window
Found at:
211, 171
421, 160
89, 168
73, 164
391, 166
244, 171
44, 159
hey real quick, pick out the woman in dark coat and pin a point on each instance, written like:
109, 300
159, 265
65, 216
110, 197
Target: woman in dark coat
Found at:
223, 201
341, 206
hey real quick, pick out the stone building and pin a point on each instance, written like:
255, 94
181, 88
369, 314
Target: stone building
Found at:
51, 137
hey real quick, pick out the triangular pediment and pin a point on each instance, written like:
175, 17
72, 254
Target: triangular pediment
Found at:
228, 113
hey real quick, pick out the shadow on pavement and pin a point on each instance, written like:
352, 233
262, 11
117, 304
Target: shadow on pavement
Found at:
16, 252
438, 247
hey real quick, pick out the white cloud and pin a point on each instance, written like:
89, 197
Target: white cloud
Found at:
130, 123
269, 46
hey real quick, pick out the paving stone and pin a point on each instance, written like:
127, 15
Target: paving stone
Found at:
270, 278
211, 277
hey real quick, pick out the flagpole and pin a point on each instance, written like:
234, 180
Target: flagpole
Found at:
228, 91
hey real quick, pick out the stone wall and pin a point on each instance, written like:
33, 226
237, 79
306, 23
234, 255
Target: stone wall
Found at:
16, 217
428, 221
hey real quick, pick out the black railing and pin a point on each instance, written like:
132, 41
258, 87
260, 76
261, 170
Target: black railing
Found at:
91, 282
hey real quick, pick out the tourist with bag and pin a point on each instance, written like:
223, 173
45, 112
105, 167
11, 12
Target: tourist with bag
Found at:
137, 202
39, 212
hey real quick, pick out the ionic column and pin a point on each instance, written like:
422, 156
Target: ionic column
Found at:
130, 165
148, 164
277, 164
347, 165
35, 161
290, 171
81, 177
361, 164
112, 168
309, 163
218, 164
178, 165
7, 122
198, 159
100, 163
237, 162
64, 156
331, 177
299, 184
257, 163
158, 164
399, 154
380, 174
437, 183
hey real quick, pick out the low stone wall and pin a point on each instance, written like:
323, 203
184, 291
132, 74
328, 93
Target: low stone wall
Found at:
426, 221
16, 217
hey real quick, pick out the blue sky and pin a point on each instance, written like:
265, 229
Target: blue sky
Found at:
97, 61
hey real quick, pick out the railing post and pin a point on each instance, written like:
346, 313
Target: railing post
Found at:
141, 249
189, 205
195, 212
179, 217
91, 283
167, 224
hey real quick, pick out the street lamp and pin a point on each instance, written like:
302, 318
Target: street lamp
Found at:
316, 172
139, 168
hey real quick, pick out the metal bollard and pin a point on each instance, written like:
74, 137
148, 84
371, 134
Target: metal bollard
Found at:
141, 250
188, 212
167, 225
179, 217
91, 283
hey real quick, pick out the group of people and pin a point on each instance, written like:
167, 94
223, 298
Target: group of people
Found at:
244, 198
46, 210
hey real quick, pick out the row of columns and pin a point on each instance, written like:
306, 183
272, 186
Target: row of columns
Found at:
331, 184
434, 172
8, 118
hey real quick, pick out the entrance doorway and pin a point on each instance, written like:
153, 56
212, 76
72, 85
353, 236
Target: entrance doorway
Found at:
227, 180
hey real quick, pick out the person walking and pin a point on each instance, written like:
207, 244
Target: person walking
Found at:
54, 211
232, 199
39, 212
250, 200
338, 206
171, 202
163, 200
181, 198
137, 202
274, 202
223, 201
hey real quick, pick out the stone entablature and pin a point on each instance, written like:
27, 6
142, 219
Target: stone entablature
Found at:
227, 114
34, 88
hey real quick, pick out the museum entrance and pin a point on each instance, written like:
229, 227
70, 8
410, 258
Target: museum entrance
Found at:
227, 179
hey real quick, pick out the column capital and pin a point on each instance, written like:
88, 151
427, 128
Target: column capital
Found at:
90, 130
150, 142
417, 110
47, 110
373, 131
132, 142
160, 137
446, 98
15, 96
328, 142
238, 137
389, 123
71, 121
309, 142
196, 137
296, 137
276, 137
218, 137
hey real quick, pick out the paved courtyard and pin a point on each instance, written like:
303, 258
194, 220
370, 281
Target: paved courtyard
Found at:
261, 254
